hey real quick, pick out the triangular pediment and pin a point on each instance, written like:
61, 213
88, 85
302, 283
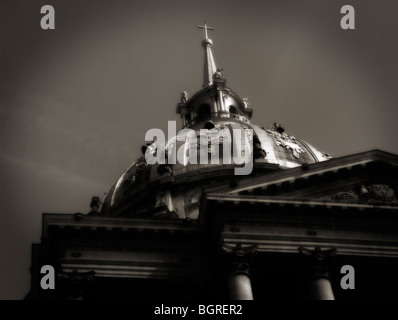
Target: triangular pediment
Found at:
369, 178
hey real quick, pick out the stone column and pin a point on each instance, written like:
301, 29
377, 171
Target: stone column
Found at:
317, 263
238, 260
221, 100
214, 107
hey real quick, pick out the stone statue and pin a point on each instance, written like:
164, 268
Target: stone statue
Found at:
218, 74
184, 97
246, 102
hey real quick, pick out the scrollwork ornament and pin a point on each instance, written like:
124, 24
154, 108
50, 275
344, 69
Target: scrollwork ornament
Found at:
381, 192
349, 197
288, 142
372, 194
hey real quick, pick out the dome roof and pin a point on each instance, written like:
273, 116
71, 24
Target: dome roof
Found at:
271, 145
214, 120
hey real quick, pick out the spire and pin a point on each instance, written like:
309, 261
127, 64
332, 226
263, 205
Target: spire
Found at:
210, 65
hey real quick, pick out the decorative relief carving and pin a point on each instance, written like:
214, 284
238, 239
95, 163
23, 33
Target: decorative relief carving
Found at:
371, 194
349, 197
318, 255
381, 192
239, 258
318, 261
284, 140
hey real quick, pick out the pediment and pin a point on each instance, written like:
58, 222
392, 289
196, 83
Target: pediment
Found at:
374, 194
367, 178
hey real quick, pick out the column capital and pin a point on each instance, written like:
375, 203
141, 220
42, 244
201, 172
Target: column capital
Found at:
318, 260
239, 257
318, 255
75, 285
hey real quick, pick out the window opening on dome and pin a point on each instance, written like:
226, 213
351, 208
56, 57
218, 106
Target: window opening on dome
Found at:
203, 112
232, 109
209, 125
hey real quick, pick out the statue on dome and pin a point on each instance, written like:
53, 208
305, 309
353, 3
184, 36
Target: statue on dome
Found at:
246, 102
184, 97
278, 127
218, 74
95, 205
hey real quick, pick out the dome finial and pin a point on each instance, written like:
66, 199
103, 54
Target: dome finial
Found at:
210, 65
206, 28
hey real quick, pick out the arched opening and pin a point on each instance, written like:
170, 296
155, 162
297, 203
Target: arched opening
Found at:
209, 125
232, 109
203, 112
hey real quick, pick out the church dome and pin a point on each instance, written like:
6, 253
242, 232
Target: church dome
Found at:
217, 133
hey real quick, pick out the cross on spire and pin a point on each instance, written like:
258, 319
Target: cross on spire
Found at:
206, 28
210, 65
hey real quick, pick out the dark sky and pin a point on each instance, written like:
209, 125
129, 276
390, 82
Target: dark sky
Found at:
76, 102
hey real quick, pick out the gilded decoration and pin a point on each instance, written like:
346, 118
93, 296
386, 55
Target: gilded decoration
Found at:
286, 141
